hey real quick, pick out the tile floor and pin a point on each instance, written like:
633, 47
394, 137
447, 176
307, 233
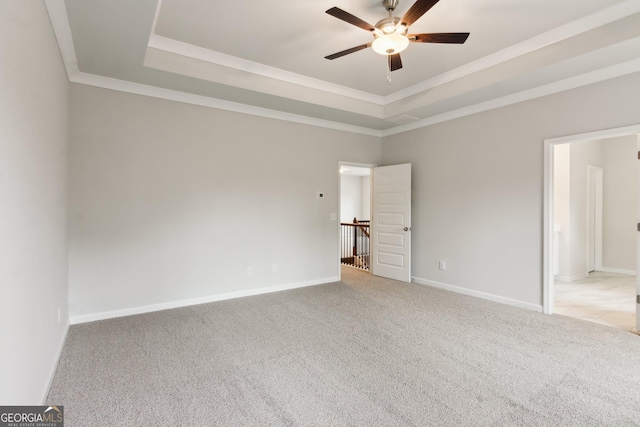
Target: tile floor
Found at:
605, 298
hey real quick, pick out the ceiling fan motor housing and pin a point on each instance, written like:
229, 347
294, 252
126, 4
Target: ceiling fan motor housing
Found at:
388, 25
390, 5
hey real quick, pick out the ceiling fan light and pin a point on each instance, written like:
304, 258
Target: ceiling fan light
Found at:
388, 29
390, 44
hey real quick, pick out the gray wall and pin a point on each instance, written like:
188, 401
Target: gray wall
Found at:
620, 184
583, 154
365, 182
172, 202
571, 162
561, 209
33, 249
355, 197
618, 158
350, 198
478, 185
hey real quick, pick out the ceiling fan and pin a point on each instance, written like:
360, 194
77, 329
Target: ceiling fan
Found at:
390, 34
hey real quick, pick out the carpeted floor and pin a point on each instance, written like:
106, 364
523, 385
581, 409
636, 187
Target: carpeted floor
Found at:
362, 352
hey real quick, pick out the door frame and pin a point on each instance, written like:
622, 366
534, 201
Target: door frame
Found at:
354, 164
547, 246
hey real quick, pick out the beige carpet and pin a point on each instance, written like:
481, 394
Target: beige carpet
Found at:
361, 352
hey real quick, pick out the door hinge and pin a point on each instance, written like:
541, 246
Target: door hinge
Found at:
638, 155
637, 299
639, 226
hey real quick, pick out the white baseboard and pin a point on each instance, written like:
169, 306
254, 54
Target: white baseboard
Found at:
54, 368
618, 270
195, 301
572, 278
478, 294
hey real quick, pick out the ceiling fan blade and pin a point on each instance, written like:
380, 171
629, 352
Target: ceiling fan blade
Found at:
457, 38
348, 51
419, 8
353, 20
395, 63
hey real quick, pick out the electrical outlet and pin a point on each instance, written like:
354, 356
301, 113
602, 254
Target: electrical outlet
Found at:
274, 268
249, 271
442, 265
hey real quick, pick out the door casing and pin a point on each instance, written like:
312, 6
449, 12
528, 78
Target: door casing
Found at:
547, 248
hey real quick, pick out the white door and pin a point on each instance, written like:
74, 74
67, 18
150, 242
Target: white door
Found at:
391, 222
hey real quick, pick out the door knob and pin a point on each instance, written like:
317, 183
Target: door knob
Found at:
406, 229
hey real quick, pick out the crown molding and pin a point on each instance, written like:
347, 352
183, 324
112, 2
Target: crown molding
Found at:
155, 17
219, 104
196, 52
207, 71
62, 30
60, 23
555, 35
585, 79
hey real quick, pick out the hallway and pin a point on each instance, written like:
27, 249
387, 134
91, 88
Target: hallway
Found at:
605, 298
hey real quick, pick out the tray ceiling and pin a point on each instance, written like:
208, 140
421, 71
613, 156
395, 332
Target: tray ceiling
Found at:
267, 58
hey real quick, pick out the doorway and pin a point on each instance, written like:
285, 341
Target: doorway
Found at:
591, 210
381, 243
355, 217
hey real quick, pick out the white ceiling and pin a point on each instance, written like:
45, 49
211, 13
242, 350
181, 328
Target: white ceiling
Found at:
267, 58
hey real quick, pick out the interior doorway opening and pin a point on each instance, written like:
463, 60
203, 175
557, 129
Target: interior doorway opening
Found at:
387, 231
591, 211
355, 217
